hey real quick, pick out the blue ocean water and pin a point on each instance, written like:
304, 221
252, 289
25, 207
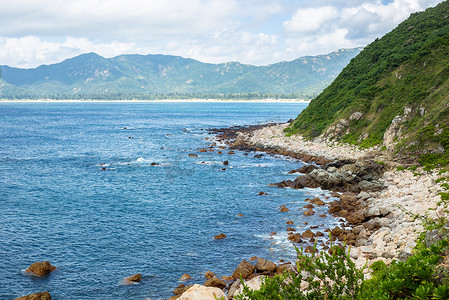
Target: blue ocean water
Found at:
99, 226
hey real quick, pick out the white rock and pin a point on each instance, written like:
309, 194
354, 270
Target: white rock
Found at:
201, 292
254, 284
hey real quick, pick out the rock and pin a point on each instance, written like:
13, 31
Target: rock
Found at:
203, 150
181, 289
291, 229
255, 257
185, 277
233, 288
284, 208
264, 265
253, 284
215, 282
258, 155
193, 155
307, 169
262, 194
132, 279
243, 270
209, 275
309, 206
308, 234
308, 212
231, 152
295, 238
227, 278
289, 223
226, 162
287, 267
310, 249
317, 201
197, 292
41, 268
220, 236
36, 296
319, 233
239, 215
356, 116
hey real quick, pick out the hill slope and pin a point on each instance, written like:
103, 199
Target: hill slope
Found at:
394, 94
90, 75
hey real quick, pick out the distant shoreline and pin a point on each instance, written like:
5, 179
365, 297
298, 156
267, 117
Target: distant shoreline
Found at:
161, 101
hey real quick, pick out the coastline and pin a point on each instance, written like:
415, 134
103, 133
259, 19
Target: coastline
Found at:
161, 101
380, 222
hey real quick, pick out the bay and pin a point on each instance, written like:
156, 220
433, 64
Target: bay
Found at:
79, 188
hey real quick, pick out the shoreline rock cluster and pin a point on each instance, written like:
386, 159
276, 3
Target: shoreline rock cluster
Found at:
377, 202
227, 287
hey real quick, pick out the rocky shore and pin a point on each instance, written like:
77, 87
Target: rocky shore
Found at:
378, 203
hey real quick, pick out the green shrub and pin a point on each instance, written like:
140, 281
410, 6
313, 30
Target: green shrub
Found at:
334, 276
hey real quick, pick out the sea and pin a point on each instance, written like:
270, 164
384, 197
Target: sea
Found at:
105, 190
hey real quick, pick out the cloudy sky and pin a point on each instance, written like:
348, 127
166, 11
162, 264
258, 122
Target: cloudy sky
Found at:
260, 32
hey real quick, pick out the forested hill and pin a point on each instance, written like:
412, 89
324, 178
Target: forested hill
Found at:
394, 94
152, 76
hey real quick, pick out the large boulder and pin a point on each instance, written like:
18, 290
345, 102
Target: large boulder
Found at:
197, 292
41, 268
264, 265
36, 296
243, 270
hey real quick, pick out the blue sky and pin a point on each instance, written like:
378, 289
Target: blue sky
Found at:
260, 32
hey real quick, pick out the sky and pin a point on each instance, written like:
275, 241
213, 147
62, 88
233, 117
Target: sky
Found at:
258, 32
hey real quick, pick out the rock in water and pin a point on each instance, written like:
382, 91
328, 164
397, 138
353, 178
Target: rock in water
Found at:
197, 292
244, 269
132, 279
41, 268
220, 236
185, 277
209, 274
37, 296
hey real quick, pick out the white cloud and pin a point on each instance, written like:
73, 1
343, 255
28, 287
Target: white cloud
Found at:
250, 31
310, 19
31, 51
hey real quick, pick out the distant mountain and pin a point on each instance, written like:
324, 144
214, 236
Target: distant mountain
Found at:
148, 76
394, 94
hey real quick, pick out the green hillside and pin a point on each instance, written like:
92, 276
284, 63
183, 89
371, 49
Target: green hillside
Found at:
394, 94
152, 76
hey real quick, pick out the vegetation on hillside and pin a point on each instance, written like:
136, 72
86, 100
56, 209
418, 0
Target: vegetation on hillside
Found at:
405, 74
90, 76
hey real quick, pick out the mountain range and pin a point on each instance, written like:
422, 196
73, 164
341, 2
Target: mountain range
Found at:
151, 76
